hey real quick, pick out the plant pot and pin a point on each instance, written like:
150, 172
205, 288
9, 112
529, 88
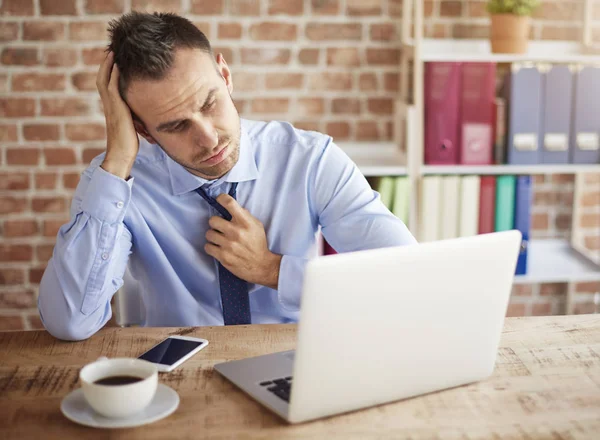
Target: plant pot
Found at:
509, 33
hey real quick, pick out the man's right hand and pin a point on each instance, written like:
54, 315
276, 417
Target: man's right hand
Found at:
122, 143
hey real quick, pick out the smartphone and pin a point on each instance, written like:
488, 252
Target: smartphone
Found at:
173, 351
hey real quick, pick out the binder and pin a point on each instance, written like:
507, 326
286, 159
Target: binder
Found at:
477, 101
429, 214
524, 89
487, 204
505, 203
523, 219
442, 87
448, 212
401, 202
386, 191
500, 109
469, 206
327, 249
585, 145
556, 121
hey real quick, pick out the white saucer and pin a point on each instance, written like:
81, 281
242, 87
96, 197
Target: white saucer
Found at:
75, 408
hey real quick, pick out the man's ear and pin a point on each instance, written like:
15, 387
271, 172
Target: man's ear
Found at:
223, 69
141, 129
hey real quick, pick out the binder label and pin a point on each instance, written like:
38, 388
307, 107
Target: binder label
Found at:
588, 141
556, 142
525, 141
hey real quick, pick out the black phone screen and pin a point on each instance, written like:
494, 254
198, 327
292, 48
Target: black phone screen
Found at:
169, 351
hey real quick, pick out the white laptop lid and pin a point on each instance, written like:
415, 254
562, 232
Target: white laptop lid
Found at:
386, 324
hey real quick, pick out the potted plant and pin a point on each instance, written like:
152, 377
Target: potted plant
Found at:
510, 24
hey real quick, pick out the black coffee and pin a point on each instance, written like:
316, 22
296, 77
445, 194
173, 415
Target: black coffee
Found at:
118, 380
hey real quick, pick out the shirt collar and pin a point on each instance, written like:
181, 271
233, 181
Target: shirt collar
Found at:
182, 181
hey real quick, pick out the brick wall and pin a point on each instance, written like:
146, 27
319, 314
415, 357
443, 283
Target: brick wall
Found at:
328, 65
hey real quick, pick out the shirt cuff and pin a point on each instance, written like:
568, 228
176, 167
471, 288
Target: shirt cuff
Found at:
291, 275
107, 196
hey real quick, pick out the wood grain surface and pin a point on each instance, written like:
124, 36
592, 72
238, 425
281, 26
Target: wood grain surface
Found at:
546, 385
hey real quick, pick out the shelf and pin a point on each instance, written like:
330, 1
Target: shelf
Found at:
376, 158
555, 261
510, 169
479, 51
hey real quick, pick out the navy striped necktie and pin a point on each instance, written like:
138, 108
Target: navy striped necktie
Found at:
234, 291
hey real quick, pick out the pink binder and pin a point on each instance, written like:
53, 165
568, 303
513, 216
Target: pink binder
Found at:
442, 88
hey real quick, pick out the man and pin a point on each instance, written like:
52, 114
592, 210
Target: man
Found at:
213, 216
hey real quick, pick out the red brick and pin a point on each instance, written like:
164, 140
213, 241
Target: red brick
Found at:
17, 107
20, 228
384, 32
307, 125
563, 178
88, 31
48, 204
591, 198
347, 56
22, 156
41, 132
588, 287
540, 221
226, 52
265, 56
522, 290
364, 7
334, 31
515, 310
391, 81
273, 31
592, 243
383, 56
71, 180
3, 83
451, 8
246, 81
284, 80
230, 31
325, 7
584, 308
20, 56
203, 7
476, 9
20, 299
16, 8
157, 6
51, 227
204, 27
338, 130
59, 156
34, 82
11, 323
563, 221
8, 133
286, 7
43, 252
58, 7
270, 105
541, 309
244, 7
13, 181
9, 31
381, 106
331, 81
590, 221
35, 323
15, 252
35, 274
11, 276
43, 31
469, 30
553, 289
93, 56
65, 106
308, 56
311, 106
104, 6
240, 105
84, 81
90, 153
9, 204
368, 82
45, 180
59, 56
345, 106
85, 131
592, 178
570, 32
367, 131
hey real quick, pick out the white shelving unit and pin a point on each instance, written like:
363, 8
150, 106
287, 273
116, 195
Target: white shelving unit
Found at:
550, 261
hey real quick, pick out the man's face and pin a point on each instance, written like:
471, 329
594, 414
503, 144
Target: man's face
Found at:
190, 113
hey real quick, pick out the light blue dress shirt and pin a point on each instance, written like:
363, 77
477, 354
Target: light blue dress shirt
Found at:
154, 224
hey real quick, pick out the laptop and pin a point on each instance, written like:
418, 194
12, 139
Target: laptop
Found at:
382, 325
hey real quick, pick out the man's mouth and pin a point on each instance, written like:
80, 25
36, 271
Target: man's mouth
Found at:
217, 158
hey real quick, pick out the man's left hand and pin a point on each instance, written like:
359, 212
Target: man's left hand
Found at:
241, 245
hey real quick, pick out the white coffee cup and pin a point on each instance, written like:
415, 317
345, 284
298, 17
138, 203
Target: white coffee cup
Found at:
118, 401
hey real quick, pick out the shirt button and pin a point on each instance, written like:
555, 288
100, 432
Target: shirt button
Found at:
120, 205
105, 256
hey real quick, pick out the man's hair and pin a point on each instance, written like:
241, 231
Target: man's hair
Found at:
144, 44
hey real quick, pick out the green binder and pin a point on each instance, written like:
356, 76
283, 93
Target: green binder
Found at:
505, 203
386, 191
401, 198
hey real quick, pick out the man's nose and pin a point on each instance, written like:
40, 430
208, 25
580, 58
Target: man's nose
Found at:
205, 134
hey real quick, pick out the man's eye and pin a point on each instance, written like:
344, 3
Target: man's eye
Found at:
179, 127
210, 105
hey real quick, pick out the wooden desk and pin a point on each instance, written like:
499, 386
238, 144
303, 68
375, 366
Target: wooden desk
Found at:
546, 385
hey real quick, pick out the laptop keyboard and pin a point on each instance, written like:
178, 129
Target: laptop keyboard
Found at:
280, 387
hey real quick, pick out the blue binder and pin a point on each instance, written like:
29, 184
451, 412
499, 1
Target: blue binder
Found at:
524, 88
523, 219
556, 122
585, 141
